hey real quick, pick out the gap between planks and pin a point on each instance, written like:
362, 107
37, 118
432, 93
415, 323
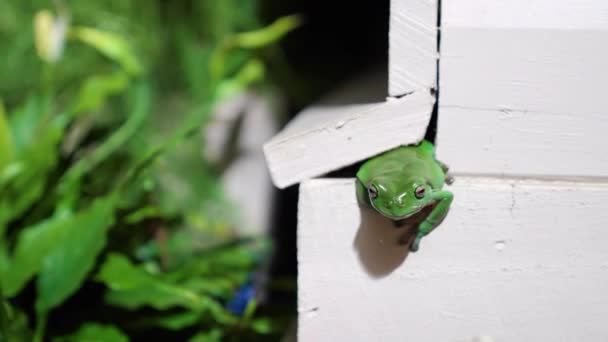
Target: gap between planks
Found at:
540, 179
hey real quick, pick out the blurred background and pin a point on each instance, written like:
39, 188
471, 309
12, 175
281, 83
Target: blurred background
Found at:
134, 198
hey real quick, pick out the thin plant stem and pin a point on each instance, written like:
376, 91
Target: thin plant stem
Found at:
40, 328
4, 314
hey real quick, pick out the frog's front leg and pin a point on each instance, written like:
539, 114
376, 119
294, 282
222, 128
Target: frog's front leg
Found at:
444, 199
445, 167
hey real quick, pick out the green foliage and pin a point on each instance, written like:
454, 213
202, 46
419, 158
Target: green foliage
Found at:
97, 89
102, 183
111, 45
6, 139
43, 248
13, 325
211, 336
94, 332
65, 267
24, 179
133, 287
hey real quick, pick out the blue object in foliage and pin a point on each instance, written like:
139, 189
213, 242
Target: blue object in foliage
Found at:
241, 299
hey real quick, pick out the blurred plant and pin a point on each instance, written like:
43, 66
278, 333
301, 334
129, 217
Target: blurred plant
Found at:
109, 213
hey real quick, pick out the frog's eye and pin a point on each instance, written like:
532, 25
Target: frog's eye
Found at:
419, 192
372, 191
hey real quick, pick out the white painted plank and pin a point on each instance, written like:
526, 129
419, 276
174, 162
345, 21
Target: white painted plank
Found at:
523, 143
551, 71
547, 14
412, 46
325, 138
526, 101
513, 261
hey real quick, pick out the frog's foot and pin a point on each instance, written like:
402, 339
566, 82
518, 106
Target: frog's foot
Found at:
449, 180
445, 167
415, 244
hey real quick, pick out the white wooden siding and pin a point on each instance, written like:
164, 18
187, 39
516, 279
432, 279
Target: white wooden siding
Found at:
325, 138
513, 261
516, 259
413, 46
522, 87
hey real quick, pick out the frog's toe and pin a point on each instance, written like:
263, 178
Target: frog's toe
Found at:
445, 167
449, 180
415, 245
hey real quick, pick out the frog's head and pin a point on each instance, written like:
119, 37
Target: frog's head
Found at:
399, 200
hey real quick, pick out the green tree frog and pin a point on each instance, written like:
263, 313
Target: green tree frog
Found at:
402, 182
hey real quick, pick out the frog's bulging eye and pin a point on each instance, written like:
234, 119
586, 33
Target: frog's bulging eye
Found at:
372, 191
419, 192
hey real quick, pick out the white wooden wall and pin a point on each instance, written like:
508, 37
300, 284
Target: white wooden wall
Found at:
522, 255
513, 261
413, 46
326, 138
523, 87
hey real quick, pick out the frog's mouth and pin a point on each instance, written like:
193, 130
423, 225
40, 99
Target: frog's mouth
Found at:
402, 217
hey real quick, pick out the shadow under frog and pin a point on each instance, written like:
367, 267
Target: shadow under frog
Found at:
381, 243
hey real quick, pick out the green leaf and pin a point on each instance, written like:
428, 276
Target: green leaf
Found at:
250, 40
33, 244
250, 73
143, 214
250, 310
178, 321
36, 243
262, 325
73, 256
233, 260
96, 89
35, 137
112, 46
71, 180
6, 139
13, 324
4, 259
191, 56
22, 182
118, 273
214, 286
215, 335
27, 122
267, 35
95, 332
132, 287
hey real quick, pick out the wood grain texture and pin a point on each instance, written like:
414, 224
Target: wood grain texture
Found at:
325, 138
521, 87
413, 46
513, 261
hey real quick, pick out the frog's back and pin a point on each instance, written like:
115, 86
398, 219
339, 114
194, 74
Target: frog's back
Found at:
405, 161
